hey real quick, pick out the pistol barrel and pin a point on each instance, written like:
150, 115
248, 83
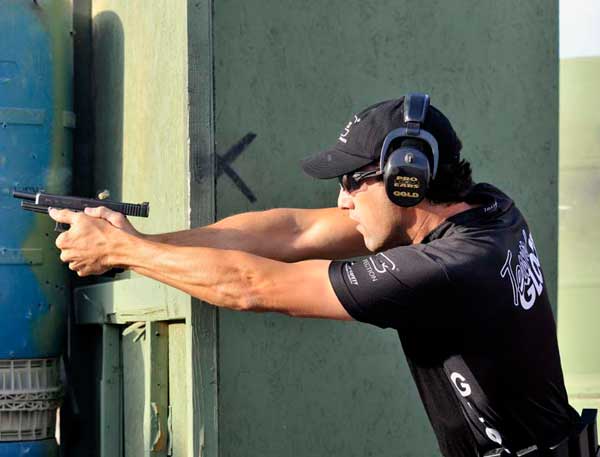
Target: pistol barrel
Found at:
23, 195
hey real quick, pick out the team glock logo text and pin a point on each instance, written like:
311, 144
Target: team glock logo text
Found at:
525, 277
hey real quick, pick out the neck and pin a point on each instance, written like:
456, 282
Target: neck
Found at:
428, 217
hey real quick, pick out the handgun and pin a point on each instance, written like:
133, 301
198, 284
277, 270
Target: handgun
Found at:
40, 202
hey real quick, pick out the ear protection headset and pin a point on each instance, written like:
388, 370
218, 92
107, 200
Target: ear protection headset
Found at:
408, 169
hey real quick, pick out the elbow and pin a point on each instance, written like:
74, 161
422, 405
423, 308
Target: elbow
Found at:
254, 300
249, 302
258, 291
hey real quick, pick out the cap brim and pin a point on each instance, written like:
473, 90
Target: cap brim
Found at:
332, 163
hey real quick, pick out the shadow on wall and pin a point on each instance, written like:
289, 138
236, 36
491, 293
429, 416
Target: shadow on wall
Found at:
108, 90
98, 165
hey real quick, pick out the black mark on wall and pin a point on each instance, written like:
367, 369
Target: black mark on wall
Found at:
223, 165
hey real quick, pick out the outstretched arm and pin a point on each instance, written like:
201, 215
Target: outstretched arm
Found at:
227, 278
284, 234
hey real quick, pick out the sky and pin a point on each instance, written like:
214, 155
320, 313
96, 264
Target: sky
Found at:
579, 28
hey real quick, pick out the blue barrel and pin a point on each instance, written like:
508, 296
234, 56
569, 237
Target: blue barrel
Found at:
36, 123
47, 448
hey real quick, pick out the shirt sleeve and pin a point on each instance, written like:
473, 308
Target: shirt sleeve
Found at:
404, 287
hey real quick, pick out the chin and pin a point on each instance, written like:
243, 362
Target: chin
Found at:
383, 245
373, 245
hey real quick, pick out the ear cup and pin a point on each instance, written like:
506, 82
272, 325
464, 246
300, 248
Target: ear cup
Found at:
406, 175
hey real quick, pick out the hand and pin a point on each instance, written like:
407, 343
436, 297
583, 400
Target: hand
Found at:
114, 217
88, 244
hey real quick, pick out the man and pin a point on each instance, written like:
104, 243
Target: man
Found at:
451, 265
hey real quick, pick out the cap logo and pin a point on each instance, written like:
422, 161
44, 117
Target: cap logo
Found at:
346, 131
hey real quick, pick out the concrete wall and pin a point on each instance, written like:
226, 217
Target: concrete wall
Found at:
292, 73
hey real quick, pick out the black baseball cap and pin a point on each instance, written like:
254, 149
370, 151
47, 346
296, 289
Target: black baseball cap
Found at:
360, 141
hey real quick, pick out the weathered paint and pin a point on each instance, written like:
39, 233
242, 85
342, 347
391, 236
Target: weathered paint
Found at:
111, 393
135, 363
140, 124
151, 131
156, 396
35, 151
114, 302
579, 210
293, 73
178, 381
202, 319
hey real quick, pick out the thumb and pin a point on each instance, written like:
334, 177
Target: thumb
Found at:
114, 217
102, 212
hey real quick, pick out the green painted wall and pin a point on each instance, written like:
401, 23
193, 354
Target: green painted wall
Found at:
292, 73
146, 134
139, 67
174, 80
579, 256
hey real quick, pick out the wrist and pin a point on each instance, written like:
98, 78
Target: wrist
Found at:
123, 249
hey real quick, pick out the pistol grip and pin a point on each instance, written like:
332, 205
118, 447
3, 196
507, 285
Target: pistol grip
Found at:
61, 227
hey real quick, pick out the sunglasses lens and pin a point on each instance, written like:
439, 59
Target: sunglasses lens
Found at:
351, 181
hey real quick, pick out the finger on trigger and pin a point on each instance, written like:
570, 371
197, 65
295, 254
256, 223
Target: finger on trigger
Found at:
61, 215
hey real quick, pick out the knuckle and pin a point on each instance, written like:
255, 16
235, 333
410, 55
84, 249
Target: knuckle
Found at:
119, 219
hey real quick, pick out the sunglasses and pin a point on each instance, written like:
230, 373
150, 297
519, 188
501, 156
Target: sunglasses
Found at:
351, 181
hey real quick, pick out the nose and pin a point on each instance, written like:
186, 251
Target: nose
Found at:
345, 200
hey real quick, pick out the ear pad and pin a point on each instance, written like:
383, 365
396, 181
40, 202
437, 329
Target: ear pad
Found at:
406, 174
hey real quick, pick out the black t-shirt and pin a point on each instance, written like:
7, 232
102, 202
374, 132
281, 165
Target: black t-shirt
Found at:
472, 289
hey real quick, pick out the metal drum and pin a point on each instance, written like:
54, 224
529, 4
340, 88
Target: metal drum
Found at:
36, 125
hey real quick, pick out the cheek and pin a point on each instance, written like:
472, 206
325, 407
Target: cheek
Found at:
372, 215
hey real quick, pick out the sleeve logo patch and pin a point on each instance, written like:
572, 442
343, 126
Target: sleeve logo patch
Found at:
379, 263
382, 263
526, 277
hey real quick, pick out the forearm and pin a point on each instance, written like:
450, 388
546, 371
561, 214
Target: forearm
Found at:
220, 277
234, 279
283, 234
269, 234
